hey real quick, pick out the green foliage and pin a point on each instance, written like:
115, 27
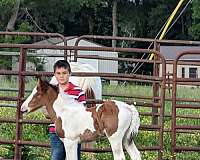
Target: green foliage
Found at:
134, 18
195, 9
78, 17
195, 28
80, 3
159, 13
5, 8
53, 19
6, 61
38, 62
22, 27
6, 2
194, 31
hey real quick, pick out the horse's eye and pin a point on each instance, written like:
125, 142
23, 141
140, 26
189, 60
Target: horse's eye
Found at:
38, 96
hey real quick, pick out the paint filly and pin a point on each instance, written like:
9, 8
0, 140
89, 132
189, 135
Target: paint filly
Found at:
90, 85
75, 123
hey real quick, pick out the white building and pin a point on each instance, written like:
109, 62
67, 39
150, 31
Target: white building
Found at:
105, 66
183, 71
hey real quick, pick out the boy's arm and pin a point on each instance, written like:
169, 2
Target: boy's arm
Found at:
81, 98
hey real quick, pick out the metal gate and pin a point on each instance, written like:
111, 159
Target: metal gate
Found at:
154, 103
188, 104
158, 102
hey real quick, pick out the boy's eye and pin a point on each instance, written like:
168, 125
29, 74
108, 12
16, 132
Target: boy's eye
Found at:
63, 73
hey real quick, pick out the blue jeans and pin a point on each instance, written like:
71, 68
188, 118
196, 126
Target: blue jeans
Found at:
58, 149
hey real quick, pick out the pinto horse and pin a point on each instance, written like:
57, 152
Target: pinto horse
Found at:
90, 85
76, 123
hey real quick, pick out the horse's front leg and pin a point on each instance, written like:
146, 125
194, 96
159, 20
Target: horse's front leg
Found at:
70, 149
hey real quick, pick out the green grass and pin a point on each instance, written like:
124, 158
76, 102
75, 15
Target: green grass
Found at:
144, 138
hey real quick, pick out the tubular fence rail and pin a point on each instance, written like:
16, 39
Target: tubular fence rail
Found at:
160, 81
175, 106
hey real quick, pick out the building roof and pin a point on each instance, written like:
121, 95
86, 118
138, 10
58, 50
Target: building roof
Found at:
54, 41
170, 52
57, 40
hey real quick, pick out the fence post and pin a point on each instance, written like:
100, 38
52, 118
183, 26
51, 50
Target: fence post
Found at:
21, 85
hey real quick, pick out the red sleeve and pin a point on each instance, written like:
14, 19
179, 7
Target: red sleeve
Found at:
82, 98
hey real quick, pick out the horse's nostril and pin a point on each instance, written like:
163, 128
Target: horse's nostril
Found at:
23, 109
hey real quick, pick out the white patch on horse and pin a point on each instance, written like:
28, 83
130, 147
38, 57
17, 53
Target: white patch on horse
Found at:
72, 117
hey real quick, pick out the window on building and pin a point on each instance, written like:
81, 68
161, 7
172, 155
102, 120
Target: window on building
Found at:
183, 72
193, 73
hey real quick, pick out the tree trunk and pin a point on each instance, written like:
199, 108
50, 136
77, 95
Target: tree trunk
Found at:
90, 24
182, 25
13, 18
114, 21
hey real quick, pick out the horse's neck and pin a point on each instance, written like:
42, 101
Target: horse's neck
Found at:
49, 105
65, 99
65, 103
59, 103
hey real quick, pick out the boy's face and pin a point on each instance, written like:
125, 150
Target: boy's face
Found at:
62, 75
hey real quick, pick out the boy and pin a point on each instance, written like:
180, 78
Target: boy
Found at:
62, 72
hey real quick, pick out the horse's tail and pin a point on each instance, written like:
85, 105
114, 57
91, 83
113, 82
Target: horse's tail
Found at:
92, 84
87, 83
135, 123
89, 93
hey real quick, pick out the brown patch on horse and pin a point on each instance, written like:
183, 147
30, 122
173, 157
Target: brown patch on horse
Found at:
98, 125
88, 136
60, 132
89, 94
105, 118
45, 96
43, 86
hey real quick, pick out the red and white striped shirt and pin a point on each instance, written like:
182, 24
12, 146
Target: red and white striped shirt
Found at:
74, 92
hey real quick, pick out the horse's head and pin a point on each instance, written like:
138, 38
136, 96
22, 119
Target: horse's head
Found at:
43, 95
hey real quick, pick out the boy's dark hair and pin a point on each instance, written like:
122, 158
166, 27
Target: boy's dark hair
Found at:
62, 64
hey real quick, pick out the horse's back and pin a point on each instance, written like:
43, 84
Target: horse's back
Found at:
129, 113
124, 112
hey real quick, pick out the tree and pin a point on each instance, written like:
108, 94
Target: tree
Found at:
57, 16
115, 15
5, 14
13, 18
132, 18
163, 9
114, 21
195, 28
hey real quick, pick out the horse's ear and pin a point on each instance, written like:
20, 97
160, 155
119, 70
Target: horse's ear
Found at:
42, 85
39, 82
